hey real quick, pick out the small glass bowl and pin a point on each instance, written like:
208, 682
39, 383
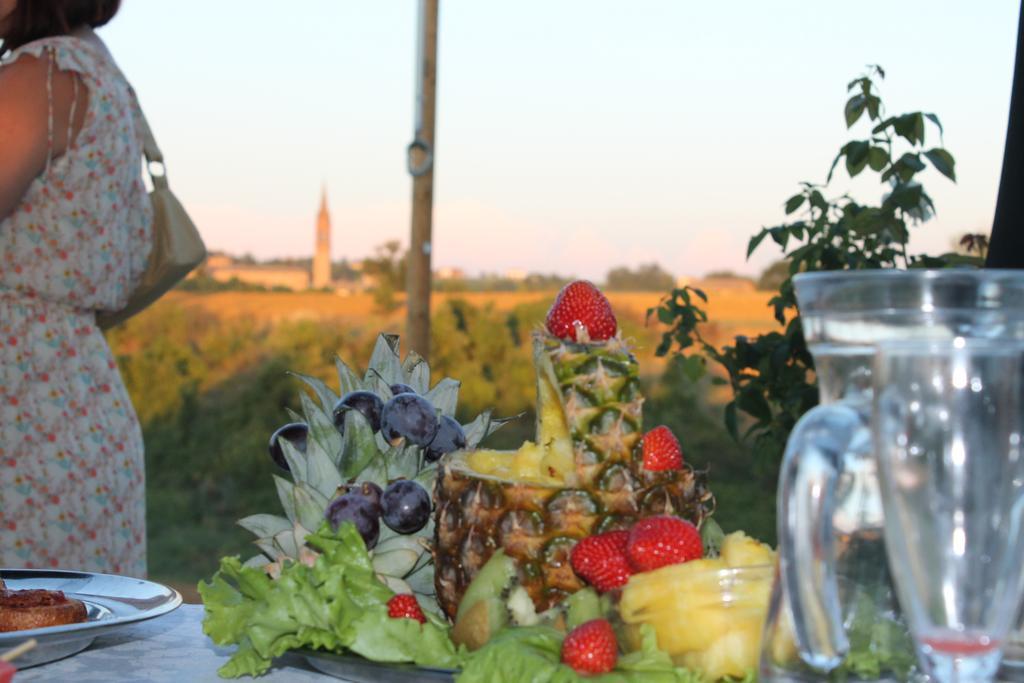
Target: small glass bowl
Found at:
706, 616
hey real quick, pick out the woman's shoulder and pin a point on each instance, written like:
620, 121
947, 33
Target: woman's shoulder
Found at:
70, 53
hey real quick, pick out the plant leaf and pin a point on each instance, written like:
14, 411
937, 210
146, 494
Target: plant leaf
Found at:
309, 506
416, 372
347, 380
878, 158
793, 203
856, 156
284, 493
295, 458
322, 432
854, 108
323, 393
384, 360
942, 161
360, 445
322, 472
265, 525
445, 396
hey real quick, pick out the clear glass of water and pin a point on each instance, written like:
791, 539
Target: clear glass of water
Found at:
947, 430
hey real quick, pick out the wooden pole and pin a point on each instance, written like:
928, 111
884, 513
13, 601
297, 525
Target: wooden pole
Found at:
421, 167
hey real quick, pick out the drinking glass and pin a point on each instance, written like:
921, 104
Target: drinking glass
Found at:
947, 430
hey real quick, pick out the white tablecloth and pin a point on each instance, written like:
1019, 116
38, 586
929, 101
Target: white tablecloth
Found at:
167, 649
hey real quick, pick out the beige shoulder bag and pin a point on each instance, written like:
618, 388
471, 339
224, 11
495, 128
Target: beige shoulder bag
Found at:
177, 246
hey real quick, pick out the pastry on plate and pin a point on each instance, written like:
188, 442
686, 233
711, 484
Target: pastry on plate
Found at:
35, 608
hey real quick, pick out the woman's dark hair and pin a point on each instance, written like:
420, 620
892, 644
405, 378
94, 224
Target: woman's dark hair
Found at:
35, 19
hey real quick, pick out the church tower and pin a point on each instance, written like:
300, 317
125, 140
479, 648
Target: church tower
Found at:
322, 252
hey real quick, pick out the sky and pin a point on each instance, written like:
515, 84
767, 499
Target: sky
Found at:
573, 136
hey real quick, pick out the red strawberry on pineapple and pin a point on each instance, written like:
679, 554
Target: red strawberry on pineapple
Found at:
601, 560
662, 450
590, 648
404, 606
663, 540
583, 303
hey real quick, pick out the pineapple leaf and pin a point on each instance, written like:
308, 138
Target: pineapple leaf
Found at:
293, 416
426, 477
264, 525
400, 542
269, 548
359, 448
394, 583
445, 396
285, 543
417, 372
284, 492
398, 562
321, 472
323, 393
476, 430
384, 360
402, 462
421, 581
483, 426
378, 384
309, 506
295, 458
322, 432
347, 380
256, 562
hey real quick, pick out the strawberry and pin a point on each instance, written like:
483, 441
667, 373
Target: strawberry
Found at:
581, 304
663, 540
601, 560
662, 451
404, 606
590, 648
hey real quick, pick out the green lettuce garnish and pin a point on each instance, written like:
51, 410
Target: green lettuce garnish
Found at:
336, 604
533, 654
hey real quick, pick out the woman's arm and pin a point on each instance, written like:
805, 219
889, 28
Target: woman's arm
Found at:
24, 110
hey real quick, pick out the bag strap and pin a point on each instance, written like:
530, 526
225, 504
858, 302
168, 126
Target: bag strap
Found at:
154, 157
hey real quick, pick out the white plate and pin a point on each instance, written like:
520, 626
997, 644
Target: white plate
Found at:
112, 602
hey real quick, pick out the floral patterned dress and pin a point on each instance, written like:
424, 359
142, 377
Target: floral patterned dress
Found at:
72, 488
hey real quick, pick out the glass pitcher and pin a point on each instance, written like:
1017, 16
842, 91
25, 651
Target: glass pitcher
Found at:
833, 606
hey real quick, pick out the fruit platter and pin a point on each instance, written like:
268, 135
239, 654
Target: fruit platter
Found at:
589, 552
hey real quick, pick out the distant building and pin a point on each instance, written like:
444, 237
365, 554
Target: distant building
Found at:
322, 253
449, 273
741, 284
224, 268
268, 276
515, 274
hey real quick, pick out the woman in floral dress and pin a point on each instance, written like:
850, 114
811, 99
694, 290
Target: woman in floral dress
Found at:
75, 225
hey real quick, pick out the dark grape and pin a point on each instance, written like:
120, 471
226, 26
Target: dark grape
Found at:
368, 490
296, 433
409, 417
400, 388
405, 506
358, 509
367, 403
449, 437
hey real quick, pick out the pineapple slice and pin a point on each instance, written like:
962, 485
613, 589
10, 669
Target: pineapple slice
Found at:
707, 614
549, 461
740, 550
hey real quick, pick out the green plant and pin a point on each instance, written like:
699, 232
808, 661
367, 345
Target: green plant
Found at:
772, 375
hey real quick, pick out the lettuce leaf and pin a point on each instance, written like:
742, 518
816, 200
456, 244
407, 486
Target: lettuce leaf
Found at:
336, 604
534, 654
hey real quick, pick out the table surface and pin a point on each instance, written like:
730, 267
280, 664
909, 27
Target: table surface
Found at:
167, 649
